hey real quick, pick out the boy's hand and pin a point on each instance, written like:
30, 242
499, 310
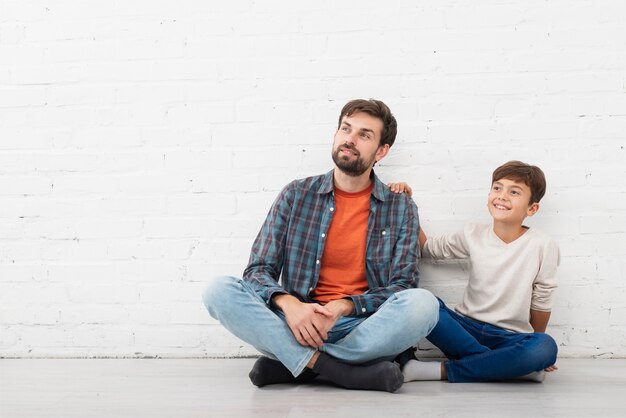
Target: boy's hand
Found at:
551, 368
401, 187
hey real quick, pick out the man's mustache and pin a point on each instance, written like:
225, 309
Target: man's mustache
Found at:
351, 148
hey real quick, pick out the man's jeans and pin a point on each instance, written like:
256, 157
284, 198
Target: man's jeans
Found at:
404, 319
480, 352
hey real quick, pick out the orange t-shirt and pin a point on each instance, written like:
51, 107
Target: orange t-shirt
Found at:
342, 270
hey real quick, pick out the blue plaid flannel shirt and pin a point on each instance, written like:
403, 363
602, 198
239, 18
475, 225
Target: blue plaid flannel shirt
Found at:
290, 243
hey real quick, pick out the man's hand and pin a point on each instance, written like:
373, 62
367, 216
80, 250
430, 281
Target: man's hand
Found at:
338, 308
401, 187
308, 321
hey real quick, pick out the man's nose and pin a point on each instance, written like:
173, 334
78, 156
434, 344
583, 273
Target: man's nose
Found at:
351, 138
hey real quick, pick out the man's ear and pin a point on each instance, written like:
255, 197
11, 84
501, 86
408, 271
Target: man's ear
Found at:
532, 209
382, 152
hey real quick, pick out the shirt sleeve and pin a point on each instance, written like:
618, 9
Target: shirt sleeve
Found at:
545, 282
403, 270
452, 246
268, 251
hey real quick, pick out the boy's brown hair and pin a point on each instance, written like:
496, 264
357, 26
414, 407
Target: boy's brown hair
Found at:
377, 109
531, 175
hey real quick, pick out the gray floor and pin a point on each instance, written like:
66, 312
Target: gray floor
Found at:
220, 388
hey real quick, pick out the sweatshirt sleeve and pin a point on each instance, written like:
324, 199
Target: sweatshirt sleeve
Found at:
545, 282
452, 246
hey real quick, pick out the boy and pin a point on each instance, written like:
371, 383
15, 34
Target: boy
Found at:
497, 331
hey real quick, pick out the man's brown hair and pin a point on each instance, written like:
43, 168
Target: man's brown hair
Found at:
531, 175
377, 109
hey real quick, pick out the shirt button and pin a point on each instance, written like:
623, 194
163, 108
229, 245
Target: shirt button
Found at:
363, 309
332, 209
310, 289
384, 232
317, 261
323, 235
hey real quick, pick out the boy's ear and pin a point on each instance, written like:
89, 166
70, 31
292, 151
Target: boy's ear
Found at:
532, 209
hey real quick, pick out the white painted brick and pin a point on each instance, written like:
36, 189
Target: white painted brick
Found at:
204, 272
98, 293
173, 227
607, 224
39, 338
98, 228
142, 144
23, 96
32, 294
610, 245
274, 157
139, 249
576, 270
206, 204
99, 336
25, 185
80, 250
22, 273
28, 316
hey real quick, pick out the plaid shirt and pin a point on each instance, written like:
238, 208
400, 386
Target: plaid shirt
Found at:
291, 243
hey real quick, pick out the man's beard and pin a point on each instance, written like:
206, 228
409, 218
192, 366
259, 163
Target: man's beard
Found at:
353, 168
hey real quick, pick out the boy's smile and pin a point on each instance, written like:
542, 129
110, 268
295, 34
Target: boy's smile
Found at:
509, 202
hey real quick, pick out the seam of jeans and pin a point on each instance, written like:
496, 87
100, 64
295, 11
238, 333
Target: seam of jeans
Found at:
302, 364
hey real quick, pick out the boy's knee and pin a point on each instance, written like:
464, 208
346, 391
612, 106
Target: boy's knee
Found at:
544, 350
548, 346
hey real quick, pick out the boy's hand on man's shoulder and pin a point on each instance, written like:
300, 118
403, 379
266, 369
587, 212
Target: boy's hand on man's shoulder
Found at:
400, 187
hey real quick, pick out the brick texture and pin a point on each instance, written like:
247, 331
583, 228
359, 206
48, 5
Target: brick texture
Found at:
142, 142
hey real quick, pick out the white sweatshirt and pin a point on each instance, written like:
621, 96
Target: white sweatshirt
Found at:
506, 281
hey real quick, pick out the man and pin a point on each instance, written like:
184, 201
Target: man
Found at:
346, 250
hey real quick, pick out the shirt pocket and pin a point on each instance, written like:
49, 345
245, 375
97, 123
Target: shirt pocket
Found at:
380, 245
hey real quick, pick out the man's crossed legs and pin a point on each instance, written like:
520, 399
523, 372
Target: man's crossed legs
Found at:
357, 353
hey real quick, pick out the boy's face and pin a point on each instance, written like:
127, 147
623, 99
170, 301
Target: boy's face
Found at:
509, 202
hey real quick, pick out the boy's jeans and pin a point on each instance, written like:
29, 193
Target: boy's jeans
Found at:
404, 319
479, 352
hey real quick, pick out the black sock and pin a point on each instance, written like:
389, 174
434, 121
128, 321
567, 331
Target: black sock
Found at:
384, 375
403, 358
269, 372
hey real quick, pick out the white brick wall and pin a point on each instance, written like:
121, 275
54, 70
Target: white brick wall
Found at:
142, 142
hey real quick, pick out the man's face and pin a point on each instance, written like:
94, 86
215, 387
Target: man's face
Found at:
356, 143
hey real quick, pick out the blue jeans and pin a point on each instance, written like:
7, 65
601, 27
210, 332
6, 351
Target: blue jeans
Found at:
405, 318
479, 352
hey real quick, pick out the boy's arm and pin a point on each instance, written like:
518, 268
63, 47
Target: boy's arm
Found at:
539, 320
422, 239
543, 287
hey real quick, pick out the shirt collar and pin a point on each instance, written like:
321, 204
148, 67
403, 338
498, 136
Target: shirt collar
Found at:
378, 191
